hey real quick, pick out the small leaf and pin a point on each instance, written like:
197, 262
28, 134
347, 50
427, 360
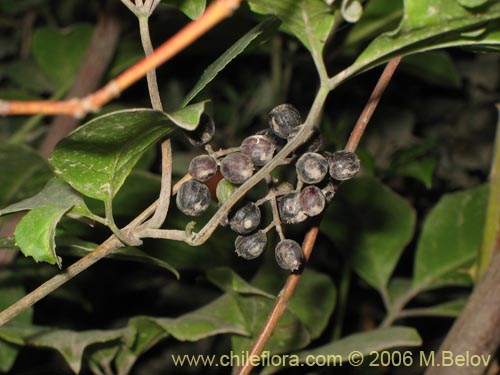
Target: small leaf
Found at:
97, 157
191, 8
257, 34
59, 53
57, 194
8, 351
188, 117
366, 342
28, 173
383, 224
309, 20
450, 240
35, 233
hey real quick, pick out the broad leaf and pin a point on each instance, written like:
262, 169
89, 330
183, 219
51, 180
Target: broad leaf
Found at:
191, 8
59, 53
366, 342
70, 344
35, 233
8, 351
57, 194
28, 173
309, 20
97, 157
450, 240
431, 24
257, 34
373, 225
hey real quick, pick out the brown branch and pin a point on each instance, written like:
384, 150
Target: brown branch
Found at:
477, 329
286, 293
95, 63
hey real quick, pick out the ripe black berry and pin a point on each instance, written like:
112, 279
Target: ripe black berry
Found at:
245, 219
250, 246
311, 168
203, 133
343, 165
312, 200
203, 168
312, 144
193, 198
236, 168
283, 118
289, 208
260, 148
289, 255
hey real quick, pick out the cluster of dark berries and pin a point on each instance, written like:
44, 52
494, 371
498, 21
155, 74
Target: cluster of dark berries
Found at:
316, 171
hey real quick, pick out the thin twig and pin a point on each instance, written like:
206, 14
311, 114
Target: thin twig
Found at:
286, 293
215, 13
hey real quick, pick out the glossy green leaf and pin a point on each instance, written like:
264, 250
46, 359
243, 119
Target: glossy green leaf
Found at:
59, 53
309, 20
28, 173
191, 8
366, 342
255, 35
70, 344
188, 117
56, 194
450, 240
373, 225
8, 351
35, 233
431, 24
96, 158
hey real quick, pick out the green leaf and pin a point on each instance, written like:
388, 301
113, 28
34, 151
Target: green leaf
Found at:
450, 240
28, 173
431, 24
450, 309
414, 162
35, 233
56, 194
472, 3
366, 342
59, 53
70, 344
373, 224
256, 35
188, 117
435, 67
309, 20
229, 281
27, 75
79, 248
8, 351
97, 157
191, 8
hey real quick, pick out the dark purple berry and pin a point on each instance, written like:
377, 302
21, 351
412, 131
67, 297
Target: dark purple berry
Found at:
283, 118
260, 149
343, 165
313, 143
203, 133
245, 219
289, 208
236, 168
250, 246
289, 255
193, 198
203, 168
311, 168
312, 200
